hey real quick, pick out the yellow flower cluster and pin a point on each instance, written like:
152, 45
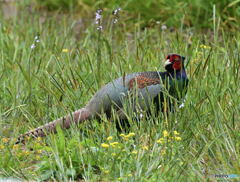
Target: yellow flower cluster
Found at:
37, 157
134, 152
112, 144
15, 147
163, 152
166, 137
176, 133
144, 147
205, 46
5, 140
39, 139
126, 137
113, 154
65, 50
165, 133
117, 145
23, 153
109, 138
106, 171
104, 145
123, 178
161, 140
39, 151
2, 147
176, 136
26, 153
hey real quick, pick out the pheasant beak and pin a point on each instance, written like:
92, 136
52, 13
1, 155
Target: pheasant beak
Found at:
168, 62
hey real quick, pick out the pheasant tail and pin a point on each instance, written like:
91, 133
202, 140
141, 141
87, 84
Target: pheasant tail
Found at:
65, 122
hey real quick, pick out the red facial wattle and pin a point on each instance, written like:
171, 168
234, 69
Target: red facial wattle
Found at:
175, 61
177, 65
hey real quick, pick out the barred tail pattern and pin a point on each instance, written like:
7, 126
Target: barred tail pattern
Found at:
65, 122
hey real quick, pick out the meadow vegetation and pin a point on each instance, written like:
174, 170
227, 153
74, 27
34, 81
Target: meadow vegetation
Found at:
53, 59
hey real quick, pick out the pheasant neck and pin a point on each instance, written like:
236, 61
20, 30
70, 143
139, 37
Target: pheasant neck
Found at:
178, 73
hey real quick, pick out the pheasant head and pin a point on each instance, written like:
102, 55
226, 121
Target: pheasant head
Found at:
174, 62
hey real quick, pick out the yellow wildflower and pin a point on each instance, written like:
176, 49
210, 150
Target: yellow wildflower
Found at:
160, 140
39, 151
15, 147
113, 154
122, 135
104, 145
5, 140
127, 136
25, 152
39, 139
163, 152
134, 152
65, 50
145, 147
205, 46
130, 135
175, 133
109, 138
38, 157
1, 147
113, 144
178, 138
106, 171
165, 133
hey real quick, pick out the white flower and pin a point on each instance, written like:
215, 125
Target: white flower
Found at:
182, 105
115, 20
33, 46
99, 27
164, 27
36, 38
115, 12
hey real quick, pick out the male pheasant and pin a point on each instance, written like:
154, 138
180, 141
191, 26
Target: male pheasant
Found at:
138, 90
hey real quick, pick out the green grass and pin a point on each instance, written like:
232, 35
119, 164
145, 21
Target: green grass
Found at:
188, 13
42, 84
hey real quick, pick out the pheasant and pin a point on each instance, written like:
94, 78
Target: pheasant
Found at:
138, 90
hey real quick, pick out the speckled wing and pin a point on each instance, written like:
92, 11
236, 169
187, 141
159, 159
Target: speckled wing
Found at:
145, 87
123, 89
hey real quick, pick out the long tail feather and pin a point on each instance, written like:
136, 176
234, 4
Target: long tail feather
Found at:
65, 122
